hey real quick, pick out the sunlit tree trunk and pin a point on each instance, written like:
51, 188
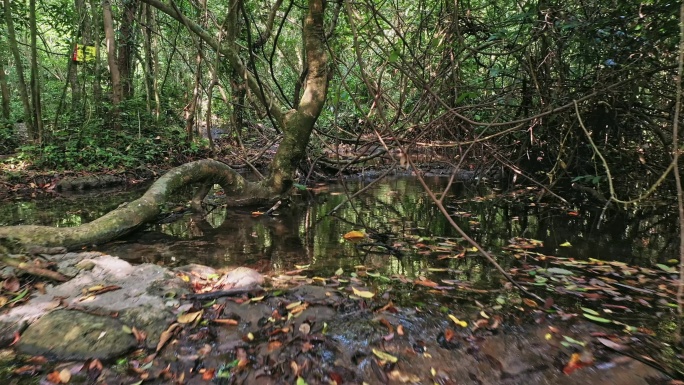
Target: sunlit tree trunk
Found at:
35, 76
108, 24
23, 91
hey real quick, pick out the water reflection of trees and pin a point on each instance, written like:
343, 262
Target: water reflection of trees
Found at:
305, 233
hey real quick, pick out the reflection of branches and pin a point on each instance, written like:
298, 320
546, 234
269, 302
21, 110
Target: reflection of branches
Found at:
654, 186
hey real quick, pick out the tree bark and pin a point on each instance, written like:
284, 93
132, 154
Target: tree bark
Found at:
35, 75
125, 45
108, 24
4, 92
23, 91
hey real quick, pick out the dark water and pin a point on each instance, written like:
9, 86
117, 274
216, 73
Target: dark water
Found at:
307, 231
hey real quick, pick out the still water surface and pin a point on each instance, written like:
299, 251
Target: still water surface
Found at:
398, 209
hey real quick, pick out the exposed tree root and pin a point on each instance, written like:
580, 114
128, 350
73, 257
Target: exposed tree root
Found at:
132, 215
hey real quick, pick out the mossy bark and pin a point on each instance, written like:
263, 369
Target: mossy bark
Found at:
131, 215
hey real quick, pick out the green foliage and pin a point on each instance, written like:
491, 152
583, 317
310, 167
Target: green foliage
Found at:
97, 145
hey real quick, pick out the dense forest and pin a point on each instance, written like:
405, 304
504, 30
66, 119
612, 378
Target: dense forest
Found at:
569, 105
559, 93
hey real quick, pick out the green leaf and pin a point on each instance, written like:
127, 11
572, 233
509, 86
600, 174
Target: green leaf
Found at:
597, 319
574, 341
666, 268
300, 381
299, 186
590, 311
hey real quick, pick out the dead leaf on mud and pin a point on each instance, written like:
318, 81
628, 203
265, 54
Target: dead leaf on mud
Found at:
166, 336
385, 356
187, 318
225, 321
363, 293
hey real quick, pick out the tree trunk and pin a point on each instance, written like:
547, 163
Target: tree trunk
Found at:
126, 45
108, 24
4, 92
192, 105
35, 75
97, 86
23, 91
149, 60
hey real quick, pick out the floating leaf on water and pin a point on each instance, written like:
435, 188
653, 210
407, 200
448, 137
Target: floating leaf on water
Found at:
302, 267
354, 235
590, 311
611, 344
529, 302
597, 319
559, 271
668, 269
574, 341
385, 356
565, 244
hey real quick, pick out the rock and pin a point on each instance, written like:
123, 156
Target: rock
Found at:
141, 300
74, 335
242, 277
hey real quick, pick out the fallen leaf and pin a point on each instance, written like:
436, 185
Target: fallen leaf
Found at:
363, 293
458, 321
385, 356
187, 318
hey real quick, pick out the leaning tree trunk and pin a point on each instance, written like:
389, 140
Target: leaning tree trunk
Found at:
296, 126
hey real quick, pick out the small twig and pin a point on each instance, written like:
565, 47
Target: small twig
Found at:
274, 208
223, 293
33, 270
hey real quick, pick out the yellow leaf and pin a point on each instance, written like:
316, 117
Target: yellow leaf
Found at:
458, 321
565, 244
548, 336
189, 317
354, 235
362, 293
293, 305
256, 299
257, 214
65, 376
385, 356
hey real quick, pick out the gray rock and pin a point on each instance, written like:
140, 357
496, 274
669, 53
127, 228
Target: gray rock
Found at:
74, 335
141, 301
